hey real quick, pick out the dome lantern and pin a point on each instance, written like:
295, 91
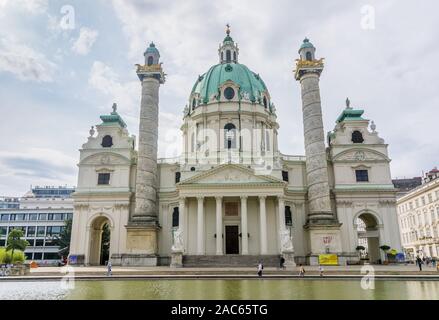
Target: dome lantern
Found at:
228, 51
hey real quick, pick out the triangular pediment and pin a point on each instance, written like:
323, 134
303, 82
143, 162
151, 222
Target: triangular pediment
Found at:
231, 174
360, 155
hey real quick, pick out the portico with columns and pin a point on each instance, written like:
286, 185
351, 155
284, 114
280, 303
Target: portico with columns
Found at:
232, 217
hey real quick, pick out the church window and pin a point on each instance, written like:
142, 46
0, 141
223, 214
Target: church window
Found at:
229, 93
228, 56
288, 216
150, 60
285, 176
177, 177
234, 56
107, 142
309, 56
265, 102
357, 137
175, 217
229, 136
362, 175
103, 179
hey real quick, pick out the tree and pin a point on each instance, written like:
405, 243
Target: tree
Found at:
15, 242
385, 248
63, 240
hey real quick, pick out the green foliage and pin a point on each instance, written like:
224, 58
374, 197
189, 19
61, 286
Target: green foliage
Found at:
63, 240
359, 248
5, 256
385, 248
16, 244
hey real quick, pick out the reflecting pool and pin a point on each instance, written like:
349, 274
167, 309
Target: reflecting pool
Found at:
250, 289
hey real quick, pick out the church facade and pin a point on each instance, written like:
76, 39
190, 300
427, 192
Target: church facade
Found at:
232, 198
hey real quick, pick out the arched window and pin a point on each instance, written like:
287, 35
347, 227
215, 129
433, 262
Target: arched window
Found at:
230, 136
285, 176
175, 218
265, 102
357, 137
228, 56
107, 142
150, 60
288, 216
309, 56
234, 56
177, 177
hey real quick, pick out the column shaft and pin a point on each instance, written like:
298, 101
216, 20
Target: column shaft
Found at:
263, 225
219, 225
244, 227
200, 226
281, 220
182, 219
146, 177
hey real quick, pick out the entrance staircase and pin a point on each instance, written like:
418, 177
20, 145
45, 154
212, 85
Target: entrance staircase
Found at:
230, 260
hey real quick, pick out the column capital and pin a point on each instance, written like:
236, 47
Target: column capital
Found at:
200, 198
262, 198
244, 197
218, 198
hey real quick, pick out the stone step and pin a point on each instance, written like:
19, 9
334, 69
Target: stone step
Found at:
231, 260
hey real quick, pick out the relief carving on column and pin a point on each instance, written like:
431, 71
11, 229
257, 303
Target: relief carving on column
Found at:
286, 242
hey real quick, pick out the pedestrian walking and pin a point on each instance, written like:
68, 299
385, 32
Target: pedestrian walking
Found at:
419, 262
301, 271
109, 269
321, 270
260, 268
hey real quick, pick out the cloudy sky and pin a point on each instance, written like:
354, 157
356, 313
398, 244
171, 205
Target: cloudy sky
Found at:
62, 64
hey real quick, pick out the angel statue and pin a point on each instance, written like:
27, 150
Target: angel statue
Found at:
178, 241
286, 243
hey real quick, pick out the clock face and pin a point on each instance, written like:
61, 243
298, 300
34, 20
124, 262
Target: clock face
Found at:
229, 93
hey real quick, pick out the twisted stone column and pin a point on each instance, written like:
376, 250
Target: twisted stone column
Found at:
315, 150
146, 212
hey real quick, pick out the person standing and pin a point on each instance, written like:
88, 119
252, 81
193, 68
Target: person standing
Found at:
321, 270
260, 268
301, 271
419, 262
109, 269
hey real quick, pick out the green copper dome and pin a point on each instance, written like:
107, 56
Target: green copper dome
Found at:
251, 86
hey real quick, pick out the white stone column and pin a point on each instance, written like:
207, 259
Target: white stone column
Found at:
281, 220
263, 225
182, 219
219, 225
200, 226
244, 227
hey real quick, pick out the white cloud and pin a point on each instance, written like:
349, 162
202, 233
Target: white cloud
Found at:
127, 94
33, 6
87, 37
24, 62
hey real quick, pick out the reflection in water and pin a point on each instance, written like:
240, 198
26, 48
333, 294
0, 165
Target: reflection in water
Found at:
251, 289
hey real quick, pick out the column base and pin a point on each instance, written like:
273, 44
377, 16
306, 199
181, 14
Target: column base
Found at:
289, 260
177, 259
142, 240
323, 239
137, 260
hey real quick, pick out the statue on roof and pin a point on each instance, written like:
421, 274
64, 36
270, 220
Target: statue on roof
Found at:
114, 107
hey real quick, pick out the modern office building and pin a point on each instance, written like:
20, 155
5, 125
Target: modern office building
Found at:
9, 202
41, 214
418, 213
